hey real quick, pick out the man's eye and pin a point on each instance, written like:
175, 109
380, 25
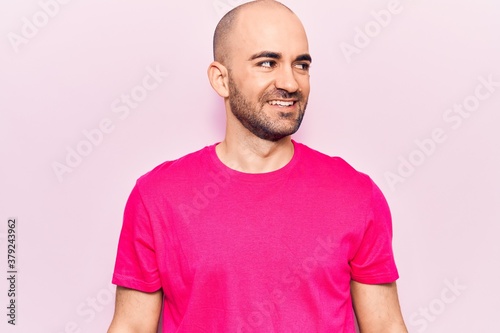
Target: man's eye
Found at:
268, 64
304, 67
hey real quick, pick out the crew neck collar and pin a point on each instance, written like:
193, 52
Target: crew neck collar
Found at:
255, 177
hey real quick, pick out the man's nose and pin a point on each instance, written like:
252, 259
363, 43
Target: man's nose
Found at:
285, 79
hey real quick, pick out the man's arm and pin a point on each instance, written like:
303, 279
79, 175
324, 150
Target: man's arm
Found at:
377, 308
136, 311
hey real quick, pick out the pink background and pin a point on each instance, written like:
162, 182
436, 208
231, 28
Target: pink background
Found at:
369, 108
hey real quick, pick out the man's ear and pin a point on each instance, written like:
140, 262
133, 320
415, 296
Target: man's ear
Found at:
218, 77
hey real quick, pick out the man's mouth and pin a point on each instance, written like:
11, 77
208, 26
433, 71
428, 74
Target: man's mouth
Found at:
281, 103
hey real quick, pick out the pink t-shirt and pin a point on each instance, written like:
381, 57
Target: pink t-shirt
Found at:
270, 252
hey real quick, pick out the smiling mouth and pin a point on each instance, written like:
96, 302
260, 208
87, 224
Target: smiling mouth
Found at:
282, 103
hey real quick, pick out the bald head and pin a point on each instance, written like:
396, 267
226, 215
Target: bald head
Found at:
261, 69
224, 31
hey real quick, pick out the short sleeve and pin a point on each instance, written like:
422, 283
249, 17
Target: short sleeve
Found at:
374, 262
136, 265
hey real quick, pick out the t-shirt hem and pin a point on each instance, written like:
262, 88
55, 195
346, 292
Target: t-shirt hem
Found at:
380, 279
131, 283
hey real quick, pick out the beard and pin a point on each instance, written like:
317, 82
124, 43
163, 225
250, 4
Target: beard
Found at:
253, 117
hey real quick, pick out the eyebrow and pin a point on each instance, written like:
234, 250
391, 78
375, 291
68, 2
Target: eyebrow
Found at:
278, 56
303, 57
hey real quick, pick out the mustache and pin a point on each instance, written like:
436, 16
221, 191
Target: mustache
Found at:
282, 94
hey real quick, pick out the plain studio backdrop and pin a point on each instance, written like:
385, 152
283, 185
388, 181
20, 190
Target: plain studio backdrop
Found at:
94, 94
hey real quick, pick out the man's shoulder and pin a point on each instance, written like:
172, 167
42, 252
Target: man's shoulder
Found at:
177, 169
333, 166
323, 160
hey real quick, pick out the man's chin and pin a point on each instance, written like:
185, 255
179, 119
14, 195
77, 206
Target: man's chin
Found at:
275, 136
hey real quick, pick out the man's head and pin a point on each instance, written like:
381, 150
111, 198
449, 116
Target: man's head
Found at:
261, 68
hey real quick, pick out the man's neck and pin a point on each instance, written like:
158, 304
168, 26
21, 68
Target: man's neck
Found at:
254, 155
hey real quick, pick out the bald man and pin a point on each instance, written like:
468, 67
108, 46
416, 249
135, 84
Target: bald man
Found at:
257, 233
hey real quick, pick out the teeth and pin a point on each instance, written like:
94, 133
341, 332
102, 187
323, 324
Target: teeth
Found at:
281, 103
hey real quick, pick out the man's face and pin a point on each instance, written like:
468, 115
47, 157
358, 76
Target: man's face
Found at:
269, 73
